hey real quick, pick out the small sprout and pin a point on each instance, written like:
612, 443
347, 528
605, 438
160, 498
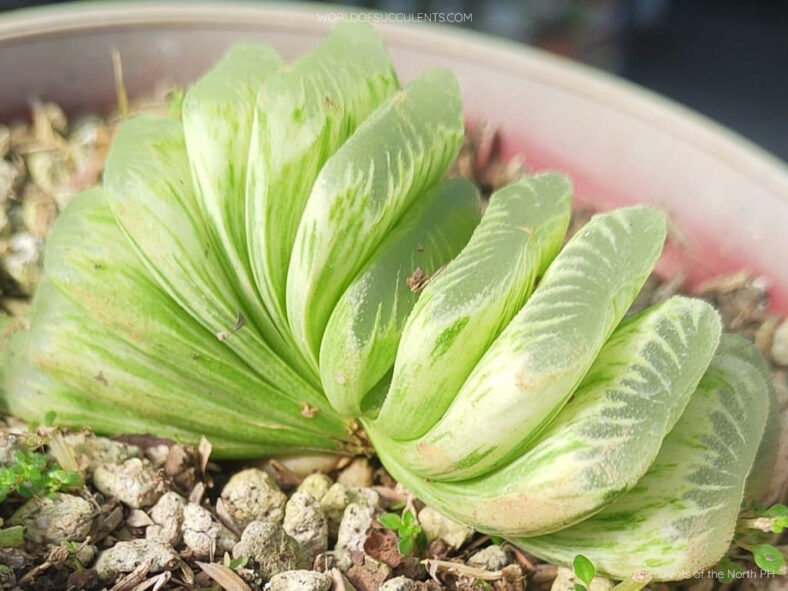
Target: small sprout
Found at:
778, 515
584, 570
49, 418
771, 520
32, 474
235, 563
770, 559
729, 570
408, 530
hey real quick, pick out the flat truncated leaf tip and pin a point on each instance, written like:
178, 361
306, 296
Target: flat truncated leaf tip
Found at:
464, 309
683, 511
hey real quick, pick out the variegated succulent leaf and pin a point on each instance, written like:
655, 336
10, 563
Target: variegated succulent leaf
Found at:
400, 152
302, 116
464, 309
360, 341
529, 372
680, 517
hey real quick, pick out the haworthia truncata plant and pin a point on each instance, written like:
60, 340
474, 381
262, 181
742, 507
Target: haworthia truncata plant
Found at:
285, 261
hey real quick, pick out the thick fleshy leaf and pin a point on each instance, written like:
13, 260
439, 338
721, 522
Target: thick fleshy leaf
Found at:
304, 114
360, 341
762, 472
147, 176
473, 299
397, 154
218, 111
607, 436
103, 328
32, 393
530, 371
680, 517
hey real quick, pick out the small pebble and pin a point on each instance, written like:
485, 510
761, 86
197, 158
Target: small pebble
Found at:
339, 497
252, 495
124, 557
10, 443
22, 262
203, 534
369, 575
357, 475
91, 451
439, 527
780, 344
15, 558
134, 482
306, 523
490, 558
55, 519
167, 516
397, 584
354, 528
300, 580
271, 548
316, 484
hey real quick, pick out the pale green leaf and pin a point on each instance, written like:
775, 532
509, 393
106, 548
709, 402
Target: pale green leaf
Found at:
467, 306
108, 340
151, 196
397, 154
530, 371
607, 436
360, 341
218, 111
304, 114
680, 517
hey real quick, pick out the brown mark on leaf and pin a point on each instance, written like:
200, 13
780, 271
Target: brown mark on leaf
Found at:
101, 379
418, 280
308, 411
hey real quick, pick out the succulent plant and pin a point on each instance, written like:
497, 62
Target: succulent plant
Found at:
284, 267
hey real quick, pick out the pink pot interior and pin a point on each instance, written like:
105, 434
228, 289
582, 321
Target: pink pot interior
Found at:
728, 200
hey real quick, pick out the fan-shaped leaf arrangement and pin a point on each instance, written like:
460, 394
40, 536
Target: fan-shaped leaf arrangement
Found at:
244, 270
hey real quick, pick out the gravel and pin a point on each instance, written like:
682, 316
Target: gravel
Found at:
439, 527
300, 580
134, 482
55, 519
354, 527
204, 535
272, 550
305, 521
167, 516
124, 557
252, 495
